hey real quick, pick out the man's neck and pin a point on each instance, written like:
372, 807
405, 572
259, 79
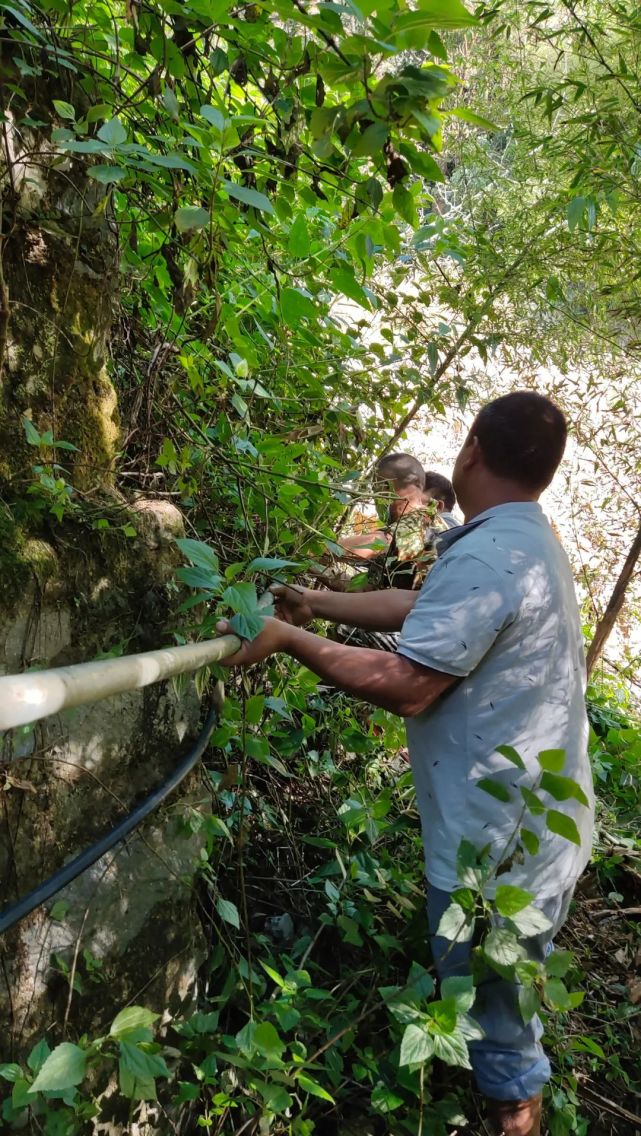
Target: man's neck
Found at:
507, 495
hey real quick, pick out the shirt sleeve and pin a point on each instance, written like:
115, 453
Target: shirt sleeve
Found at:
463, 606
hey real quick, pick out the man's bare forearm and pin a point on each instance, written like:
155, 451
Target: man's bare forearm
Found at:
380, 677
373, 611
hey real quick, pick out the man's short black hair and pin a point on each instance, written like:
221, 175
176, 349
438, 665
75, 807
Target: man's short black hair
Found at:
401, 468
522, 437
441, 489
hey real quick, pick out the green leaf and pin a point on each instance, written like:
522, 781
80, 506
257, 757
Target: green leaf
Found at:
131, 1020
530, 841
247, 626
530, 921
64, 110
10, 1072
214, 117
191, 217
452, 1048
170, 102
267, 1041
371, 141
248, 196
417, 1045
140, 1064
558, 963
295, 305
38, 1056
64, 1067
106, 175
59, 910
501, 946
563, 788
198, 553
460, 989
455, 924
563, 825
298, 243
512, 755
510, 899
276, 1097
446, 13
534, 803
200, 578
474, 119
270, 564
552, 759
343, 280
242, 598
33, 437
529, 1002
313, 1088
495, 789
228, 911
112, 132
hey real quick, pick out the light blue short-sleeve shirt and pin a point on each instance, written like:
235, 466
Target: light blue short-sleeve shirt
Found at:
498, 610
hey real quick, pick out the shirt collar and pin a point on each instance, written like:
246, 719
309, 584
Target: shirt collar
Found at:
510, 509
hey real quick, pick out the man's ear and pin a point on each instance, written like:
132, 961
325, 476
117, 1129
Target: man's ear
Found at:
440, 505
472, 452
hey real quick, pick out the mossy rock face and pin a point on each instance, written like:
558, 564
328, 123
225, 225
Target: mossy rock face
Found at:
63, 282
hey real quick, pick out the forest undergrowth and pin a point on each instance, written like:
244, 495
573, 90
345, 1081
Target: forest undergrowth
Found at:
311, 896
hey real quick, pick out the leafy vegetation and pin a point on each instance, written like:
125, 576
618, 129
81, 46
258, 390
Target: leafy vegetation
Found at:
319, 222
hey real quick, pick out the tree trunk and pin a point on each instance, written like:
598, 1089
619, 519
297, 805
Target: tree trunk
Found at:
606, 623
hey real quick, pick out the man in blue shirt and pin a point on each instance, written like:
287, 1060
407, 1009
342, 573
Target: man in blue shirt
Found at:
490, 654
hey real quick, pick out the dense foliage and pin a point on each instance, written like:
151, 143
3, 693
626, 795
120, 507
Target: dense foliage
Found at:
315, 235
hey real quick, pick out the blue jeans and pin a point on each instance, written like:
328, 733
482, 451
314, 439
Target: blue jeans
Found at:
509, 1063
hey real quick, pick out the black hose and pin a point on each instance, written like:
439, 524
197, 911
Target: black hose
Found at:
16, 911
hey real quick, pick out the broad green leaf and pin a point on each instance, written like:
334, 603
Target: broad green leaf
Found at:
295, 305
276, 1097
112, 132
298, 243
131, 1020
530, 921
495, 789
552, 760
530, 841
534, 803
198, 578
107, 174
558, 963
512, 755
214, 117
510, 899
455, 924
563, 825
309, 1086
242, 598
59, 910
371, 140
33, 437
10, 1072
452, 1048
270, 564
501, 946
228, 911
529, 1002
267, 1040
248, 196
417, 1045
460, 989
64, 1067
247, 626
475, 119
191, 217
64, 110
563, 788
38, 1056
446, 13
198, 553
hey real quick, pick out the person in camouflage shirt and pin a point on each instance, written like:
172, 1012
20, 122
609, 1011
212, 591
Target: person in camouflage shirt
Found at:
420, 510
